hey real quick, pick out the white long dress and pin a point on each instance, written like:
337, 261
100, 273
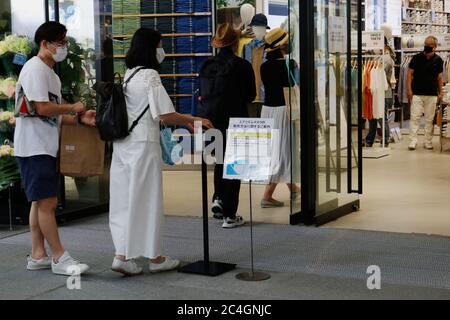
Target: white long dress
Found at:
136, 192
281, 150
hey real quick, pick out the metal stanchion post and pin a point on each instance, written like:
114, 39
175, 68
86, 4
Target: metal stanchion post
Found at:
252, 276
10, 207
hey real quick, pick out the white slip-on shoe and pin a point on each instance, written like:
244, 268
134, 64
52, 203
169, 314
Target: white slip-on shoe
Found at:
168, 264
41, 264
67, 266
428, 145
271, 204
128, 268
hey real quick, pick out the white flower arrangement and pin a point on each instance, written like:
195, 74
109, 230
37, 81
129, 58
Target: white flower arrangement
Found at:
6, 151
8, 87
15, 44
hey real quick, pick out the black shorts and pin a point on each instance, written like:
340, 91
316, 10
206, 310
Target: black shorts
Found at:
39, 177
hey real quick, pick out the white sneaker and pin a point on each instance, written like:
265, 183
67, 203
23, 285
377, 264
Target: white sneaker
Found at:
412, 145
67, 266
128, 268
168, 264
428, 145
229, 223
44, 263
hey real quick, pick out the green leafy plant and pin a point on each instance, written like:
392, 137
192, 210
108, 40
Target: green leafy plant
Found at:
9, 173
76, 74
222, 3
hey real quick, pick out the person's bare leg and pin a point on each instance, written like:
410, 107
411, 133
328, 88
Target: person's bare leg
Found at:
268, 193
37, 238
49, 228
293, 187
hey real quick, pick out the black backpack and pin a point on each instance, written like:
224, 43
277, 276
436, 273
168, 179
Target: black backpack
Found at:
112, 115
214, 75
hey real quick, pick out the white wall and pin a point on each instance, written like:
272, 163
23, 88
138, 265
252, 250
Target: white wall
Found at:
274, 21
27, 16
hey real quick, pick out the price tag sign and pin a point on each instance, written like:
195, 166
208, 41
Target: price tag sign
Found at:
19, 59
371, 40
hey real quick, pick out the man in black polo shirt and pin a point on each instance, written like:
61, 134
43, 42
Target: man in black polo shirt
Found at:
424, 90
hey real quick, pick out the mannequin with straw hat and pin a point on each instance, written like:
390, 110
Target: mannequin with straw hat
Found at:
275, 77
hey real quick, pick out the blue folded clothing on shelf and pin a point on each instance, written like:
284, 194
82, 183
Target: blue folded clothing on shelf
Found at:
170, 84
184, 25
185, 105
184, 6
202, 5
202, 24
199, 63
186, 65
202, 44
186, 85
185, 44
169, 66
162, 24
149, 7
166, 6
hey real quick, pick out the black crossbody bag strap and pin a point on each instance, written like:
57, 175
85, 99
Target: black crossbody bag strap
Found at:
135, 122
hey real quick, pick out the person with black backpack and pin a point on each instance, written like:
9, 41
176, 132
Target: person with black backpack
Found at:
227, 86
136, 193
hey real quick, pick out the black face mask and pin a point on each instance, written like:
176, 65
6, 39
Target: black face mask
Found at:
428, 49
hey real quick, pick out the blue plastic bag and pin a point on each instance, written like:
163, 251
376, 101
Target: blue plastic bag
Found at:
171, 151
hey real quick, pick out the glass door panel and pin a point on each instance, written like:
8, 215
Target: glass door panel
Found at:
337, 151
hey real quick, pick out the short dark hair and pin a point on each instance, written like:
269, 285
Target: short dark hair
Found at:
143, 49
50, 31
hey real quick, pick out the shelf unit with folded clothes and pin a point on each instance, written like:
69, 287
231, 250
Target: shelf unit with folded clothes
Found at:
187, 29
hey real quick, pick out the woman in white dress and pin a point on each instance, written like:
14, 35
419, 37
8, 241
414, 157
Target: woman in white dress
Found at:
136, 191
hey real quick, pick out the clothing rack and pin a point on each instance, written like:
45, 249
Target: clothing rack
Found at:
378, 58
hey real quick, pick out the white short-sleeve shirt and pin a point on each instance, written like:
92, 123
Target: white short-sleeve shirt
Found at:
144, 89
34, 136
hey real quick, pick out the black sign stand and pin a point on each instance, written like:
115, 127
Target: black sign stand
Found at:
206, 267
10, 207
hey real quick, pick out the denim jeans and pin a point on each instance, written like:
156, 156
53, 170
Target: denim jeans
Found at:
373, 124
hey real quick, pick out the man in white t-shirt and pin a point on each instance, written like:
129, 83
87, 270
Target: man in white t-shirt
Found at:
36, 141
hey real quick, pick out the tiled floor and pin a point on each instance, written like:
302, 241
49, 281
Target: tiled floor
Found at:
404, 192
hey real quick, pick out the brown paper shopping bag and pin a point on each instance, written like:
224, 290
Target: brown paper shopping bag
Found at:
82, 152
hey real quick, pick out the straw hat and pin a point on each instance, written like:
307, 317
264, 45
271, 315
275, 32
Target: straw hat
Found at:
275, 39
225, 36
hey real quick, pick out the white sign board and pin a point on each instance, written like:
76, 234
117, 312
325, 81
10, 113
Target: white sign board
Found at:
249, 149
371, 40
337, 34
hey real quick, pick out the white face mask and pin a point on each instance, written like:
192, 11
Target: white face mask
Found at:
160, 55
61, 54
259, 32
